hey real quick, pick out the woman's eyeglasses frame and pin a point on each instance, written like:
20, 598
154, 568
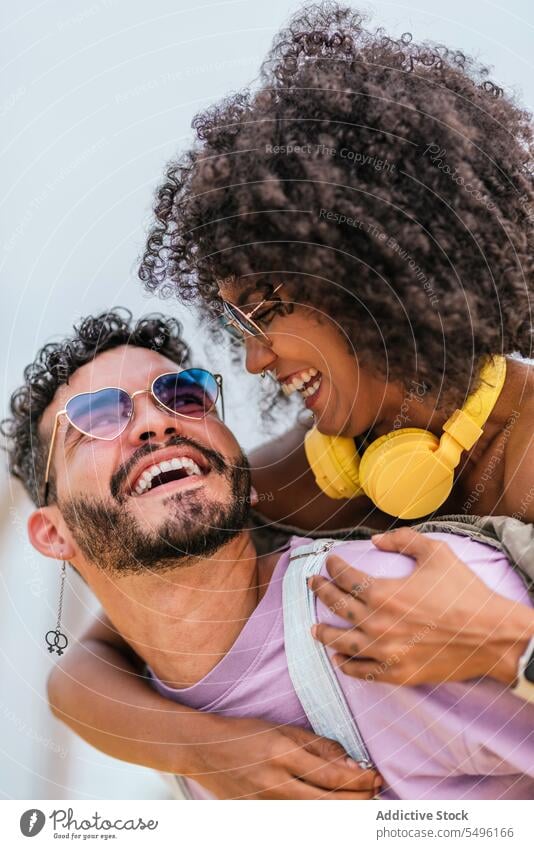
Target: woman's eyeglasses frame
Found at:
230, 318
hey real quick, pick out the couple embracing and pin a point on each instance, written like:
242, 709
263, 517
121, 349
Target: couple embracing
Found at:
296, 653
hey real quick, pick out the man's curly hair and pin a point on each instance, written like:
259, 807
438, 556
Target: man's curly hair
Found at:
389, 184
56, 363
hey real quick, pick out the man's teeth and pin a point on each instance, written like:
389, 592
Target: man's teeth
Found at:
144, 483
301, 383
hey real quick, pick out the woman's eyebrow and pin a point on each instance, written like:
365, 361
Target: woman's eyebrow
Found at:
246, 294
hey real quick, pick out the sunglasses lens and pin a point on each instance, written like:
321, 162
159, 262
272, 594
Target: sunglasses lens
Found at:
192, 392
103, 414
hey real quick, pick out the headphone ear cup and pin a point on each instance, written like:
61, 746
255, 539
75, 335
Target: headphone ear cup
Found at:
404, 476
335, 463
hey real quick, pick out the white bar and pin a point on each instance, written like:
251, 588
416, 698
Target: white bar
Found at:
274, 825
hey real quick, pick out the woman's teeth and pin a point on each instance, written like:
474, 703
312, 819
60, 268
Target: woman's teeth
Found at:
311, 390
306, 382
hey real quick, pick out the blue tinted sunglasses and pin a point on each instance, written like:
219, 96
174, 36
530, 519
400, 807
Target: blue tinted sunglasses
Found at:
104, 414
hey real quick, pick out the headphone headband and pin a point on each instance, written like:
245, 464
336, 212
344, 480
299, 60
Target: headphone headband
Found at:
465, 425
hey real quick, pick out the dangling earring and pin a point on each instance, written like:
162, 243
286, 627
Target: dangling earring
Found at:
56, 640
262, 375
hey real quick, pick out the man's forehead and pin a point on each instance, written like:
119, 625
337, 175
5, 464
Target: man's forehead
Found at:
126, 366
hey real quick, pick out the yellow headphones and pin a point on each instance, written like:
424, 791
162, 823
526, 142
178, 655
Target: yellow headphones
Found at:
409, 472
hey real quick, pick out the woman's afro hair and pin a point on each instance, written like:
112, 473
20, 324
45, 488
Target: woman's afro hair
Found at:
389, 184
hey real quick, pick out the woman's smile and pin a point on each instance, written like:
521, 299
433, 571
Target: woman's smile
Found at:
307, 382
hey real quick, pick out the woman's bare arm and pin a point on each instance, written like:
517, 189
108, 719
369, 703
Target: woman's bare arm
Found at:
98, 690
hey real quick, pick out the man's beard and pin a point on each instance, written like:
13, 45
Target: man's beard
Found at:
194, 527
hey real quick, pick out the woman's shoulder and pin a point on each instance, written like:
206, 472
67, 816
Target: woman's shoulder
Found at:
518, 494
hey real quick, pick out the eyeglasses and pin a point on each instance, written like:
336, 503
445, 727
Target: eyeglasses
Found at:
104, 414
239, 323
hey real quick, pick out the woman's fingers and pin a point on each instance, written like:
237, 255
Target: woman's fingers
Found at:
348, 641
358, 655
324, 763
338, 776
409, 542
338, 601
348, 578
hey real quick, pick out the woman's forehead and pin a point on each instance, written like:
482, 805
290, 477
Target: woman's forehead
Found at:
242, 292
230, 289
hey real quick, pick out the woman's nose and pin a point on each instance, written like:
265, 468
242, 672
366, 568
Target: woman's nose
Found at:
259, 356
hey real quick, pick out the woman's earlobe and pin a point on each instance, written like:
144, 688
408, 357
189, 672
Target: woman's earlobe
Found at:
47, 537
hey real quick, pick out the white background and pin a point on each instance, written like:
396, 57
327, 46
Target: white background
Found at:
95, 96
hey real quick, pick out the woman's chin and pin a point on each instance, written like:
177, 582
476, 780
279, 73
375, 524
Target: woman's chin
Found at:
330, 427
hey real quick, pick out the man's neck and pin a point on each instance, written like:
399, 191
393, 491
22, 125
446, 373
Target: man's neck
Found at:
183, 621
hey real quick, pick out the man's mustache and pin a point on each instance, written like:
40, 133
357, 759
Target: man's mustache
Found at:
118, 479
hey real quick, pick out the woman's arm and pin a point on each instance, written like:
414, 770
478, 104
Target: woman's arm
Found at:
98, 690
288, 493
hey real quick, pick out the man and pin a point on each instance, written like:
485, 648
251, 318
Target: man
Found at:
147, 495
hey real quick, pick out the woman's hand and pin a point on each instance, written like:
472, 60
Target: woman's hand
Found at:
440, 623
252, 759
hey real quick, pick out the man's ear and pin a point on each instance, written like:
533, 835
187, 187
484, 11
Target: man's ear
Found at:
49, 536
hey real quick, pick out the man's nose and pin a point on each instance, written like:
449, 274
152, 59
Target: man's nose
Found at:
151, 422
259, 355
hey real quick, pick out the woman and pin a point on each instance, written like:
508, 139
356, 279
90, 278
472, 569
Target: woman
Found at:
369, 209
